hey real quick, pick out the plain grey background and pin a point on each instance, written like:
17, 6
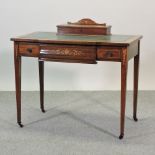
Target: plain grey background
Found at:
19, 17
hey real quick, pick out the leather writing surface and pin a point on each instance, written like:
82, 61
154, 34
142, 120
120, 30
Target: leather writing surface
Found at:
51, 36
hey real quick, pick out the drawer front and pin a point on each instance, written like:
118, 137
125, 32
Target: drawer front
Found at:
105, 53
68, 52
29, 50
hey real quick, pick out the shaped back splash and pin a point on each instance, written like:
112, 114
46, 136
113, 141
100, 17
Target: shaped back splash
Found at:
84, 26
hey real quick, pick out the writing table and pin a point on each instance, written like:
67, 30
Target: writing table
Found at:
88, 49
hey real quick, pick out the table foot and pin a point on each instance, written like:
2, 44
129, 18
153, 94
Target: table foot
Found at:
135, 119
43, 110
121, 136
20, 124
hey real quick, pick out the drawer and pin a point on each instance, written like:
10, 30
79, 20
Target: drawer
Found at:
29, 50
68, 52
105, 53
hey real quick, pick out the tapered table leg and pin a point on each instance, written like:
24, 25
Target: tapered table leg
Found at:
41, 80
135, 93
17, 61
124, 67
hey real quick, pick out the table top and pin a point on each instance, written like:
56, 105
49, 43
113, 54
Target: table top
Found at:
52, 37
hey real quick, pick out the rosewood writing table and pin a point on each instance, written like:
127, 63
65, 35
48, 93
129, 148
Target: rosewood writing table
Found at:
89, 49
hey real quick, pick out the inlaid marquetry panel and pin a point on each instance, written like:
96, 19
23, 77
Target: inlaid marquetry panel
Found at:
68, 52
